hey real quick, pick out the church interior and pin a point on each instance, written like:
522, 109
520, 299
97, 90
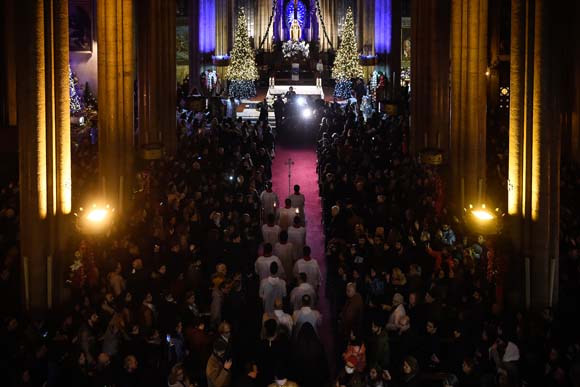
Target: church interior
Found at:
299, 193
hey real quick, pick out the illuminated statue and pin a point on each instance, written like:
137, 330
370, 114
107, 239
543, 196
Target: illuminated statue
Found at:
295, 30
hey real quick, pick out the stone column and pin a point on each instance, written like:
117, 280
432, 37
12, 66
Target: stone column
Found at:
535, 141
394, 57
430, 75
44, 147
194, 49
328, 11
366, 24
468, 100
8, 66
224, 27
116, 99
570, 70
156, 74
263, 12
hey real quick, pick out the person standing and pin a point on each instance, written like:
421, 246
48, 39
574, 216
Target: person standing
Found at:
297, 236
285, 251
270, 231
297, 200
272, 288
262, 264
308, 266
263, 111
303, 288
306, 315
279, 110
218, 368
351, 316
269, 200
287, 214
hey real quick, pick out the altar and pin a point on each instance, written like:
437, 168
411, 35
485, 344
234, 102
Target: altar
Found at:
306, 90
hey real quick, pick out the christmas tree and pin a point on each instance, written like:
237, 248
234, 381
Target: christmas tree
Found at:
242, 71
75, 99
346, 64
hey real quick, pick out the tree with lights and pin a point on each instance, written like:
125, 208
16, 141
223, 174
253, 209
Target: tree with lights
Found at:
75, 99
346, 65
242, 71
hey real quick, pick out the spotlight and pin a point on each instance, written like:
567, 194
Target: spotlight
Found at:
306, 113
482, 220
482, 215
231, 178
95, 219
301, 101
97, 215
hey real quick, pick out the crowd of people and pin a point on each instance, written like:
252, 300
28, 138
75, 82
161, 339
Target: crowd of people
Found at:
414, 297
209, 281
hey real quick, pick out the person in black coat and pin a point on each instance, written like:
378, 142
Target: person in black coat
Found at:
309, 359
271, 352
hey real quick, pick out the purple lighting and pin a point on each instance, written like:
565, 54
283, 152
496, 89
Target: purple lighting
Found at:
383, 23
207, 26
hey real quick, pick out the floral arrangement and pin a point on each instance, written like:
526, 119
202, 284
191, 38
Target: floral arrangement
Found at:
291, 49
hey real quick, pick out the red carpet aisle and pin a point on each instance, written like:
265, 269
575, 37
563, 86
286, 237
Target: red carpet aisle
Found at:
304, 174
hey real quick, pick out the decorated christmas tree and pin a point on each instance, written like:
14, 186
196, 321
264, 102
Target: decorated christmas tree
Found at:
75, 99
346, 64
242, 71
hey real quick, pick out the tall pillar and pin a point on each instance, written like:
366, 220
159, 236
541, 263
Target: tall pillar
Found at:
394, 57
387, 42
328, 11
224, 25
194, 46
366, 24
263, 13
44, 146
8, 66
468, 100
430, 75
570, 71
116, 85
534, 146
156, 74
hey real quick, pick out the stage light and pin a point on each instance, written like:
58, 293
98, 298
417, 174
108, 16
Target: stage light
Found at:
97, 215
95, 219
483, 221
301, 101
306, 113
482, 215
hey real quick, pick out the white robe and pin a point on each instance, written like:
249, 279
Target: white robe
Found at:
270, 234
262, 266
286, 254
286, 217
298, 202
272, 288
299, 291
268, 199
297, 236
311, 269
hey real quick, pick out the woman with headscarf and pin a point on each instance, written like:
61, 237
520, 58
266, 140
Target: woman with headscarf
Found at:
309, 359
410, 373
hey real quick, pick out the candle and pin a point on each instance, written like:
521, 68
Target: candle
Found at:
297, 211
274, 204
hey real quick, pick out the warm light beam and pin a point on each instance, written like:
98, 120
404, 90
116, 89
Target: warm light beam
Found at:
483, 215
